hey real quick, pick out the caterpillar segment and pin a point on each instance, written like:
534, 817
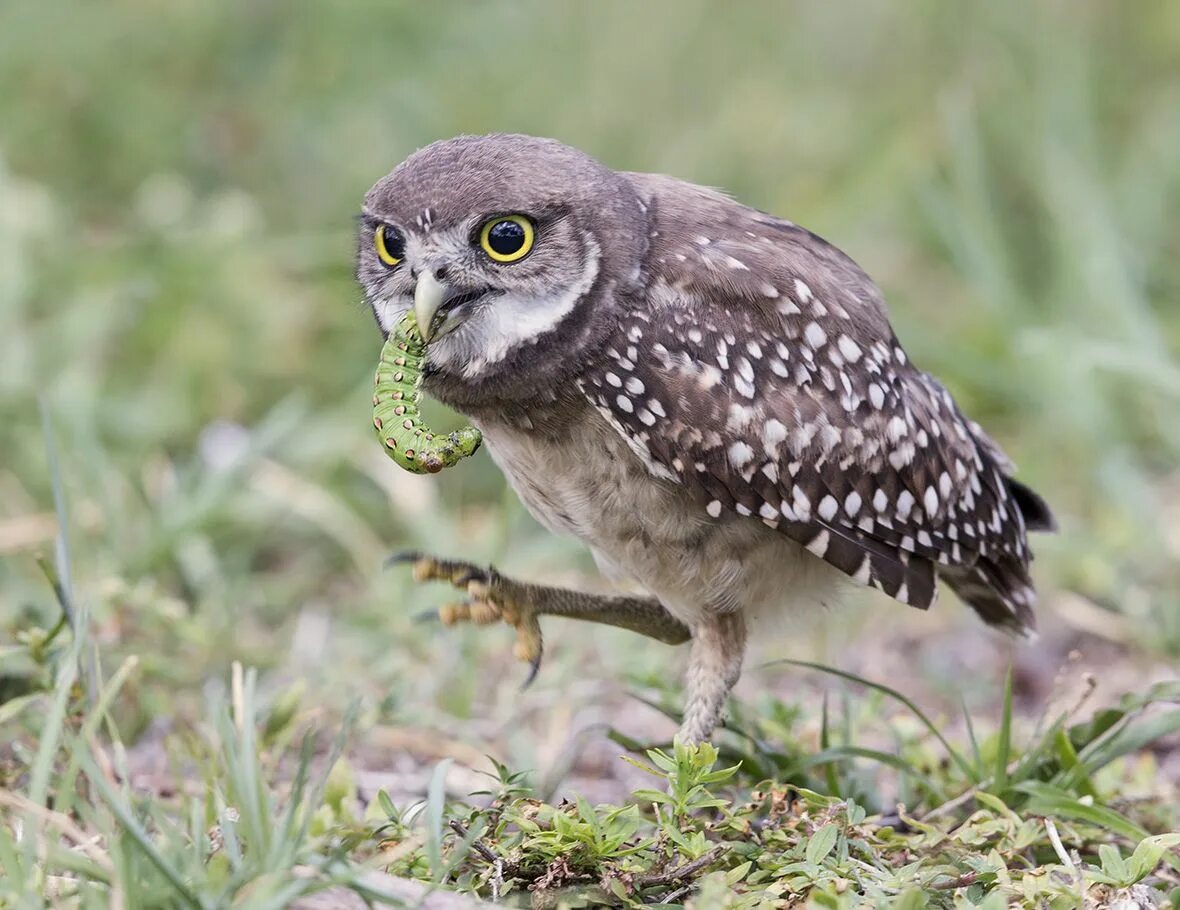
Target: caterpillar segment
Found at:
396, 416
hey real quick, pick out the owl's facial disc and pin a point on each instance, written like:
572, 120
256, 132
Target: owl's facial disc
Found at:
513, 252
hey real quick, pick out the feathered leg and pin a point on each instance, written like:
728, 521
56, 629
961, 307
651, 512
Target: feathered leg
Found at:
718, 645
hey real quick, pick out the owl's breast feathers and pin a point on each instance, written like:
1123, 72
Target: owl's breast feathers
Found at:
760, 372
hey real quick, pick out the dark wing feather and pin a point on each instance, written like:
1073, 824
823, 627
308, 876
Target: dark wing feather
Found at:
762, 373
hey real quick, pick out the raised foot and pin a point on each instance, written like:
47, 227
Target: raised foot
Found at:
489, 598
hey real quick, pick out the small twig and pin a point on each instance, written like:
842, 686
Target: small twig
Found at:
963, 881
63, 823
498, 862
952, 804
461, 829
967, 795
1063, 855
238, 695
687, 870
1058, 846
672, 895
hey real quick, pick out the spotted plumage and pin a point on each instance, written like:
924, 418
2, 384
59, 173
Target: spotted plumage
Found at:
744, 368
771, 385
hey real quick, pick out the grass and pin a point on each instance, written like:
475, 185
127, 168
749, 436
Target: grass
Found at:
210, 692
276, 815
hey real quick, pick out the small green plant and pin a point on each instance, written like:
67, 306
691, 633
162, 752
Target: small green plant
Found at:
688, 770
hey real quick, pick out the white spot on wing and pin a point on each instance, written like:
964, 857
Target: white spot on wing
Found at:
849, 348
819, 544
740, 454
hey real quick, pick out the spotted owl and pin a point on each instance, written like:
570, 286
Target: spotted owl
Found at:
709, 396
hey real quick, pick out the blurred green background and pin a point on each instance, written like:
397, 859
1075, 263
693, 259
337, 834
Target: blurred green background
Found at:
178, 184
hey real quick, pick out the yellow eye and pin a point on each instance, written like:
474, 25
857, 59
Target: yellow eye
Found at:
390, 244
507, 238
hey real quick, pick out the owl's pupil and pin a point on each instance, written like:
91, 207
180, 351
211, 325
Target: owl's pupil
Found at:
395, 243
506, 237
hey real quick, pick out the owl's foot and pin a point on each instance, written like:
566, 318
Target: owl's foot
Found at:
490, 598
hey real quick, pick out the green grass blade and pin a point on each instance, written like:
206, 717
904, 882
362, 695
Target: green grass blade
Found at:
954, 754
1004, 742
63, 800
114, 801
1132, 736
436, 798
1073, 775
1045, 799
825, 742
976, 756
63, 578
286, 843
846, 753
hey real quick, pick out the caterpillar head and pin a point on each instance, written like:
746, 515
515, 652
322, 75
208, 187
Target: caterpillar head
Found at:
513, 253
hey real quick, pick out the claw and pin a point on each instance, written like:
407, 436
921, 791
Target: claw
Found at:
457, 572
482, 606
529, 644
534, 668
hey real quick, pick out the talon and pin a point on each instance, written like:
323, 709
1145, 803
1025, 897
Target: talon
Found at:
482, 607
523, 652
422, 567
528, 646
534, 667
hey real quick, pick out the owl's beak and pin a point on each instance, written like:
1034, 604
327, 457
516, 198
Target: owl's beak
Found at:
429, 295
441, 307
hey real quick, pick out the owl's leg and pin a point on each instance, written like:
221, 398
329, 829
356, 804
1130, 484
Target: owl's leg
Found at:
492, 597
718, 645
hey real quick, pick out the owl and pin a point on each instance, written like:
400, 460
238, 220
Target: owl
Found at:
710, 397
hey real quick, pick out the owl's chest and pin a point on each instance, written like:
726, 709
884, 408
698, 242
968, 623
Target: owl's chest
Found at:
586, 481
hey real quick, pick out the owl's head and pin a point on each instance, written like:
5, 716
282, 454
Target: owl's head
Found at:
511, 250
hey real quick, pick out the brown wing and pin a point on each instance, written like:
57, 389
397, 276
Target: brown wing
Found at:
762, 373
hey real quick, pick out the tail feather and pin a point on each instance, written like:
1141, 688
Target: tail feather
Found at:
1000, 591
1035, 511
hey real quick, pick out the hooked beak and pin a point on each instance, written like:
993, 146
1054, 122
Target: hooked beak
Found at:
429, 295
439, 307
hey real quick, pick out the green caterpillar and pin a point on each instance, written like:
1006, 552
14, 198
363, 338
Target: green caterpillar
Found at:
406, 438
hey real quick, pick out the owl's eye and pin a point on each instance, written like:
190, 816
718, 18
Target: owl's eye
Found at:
507, 238
390, 244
